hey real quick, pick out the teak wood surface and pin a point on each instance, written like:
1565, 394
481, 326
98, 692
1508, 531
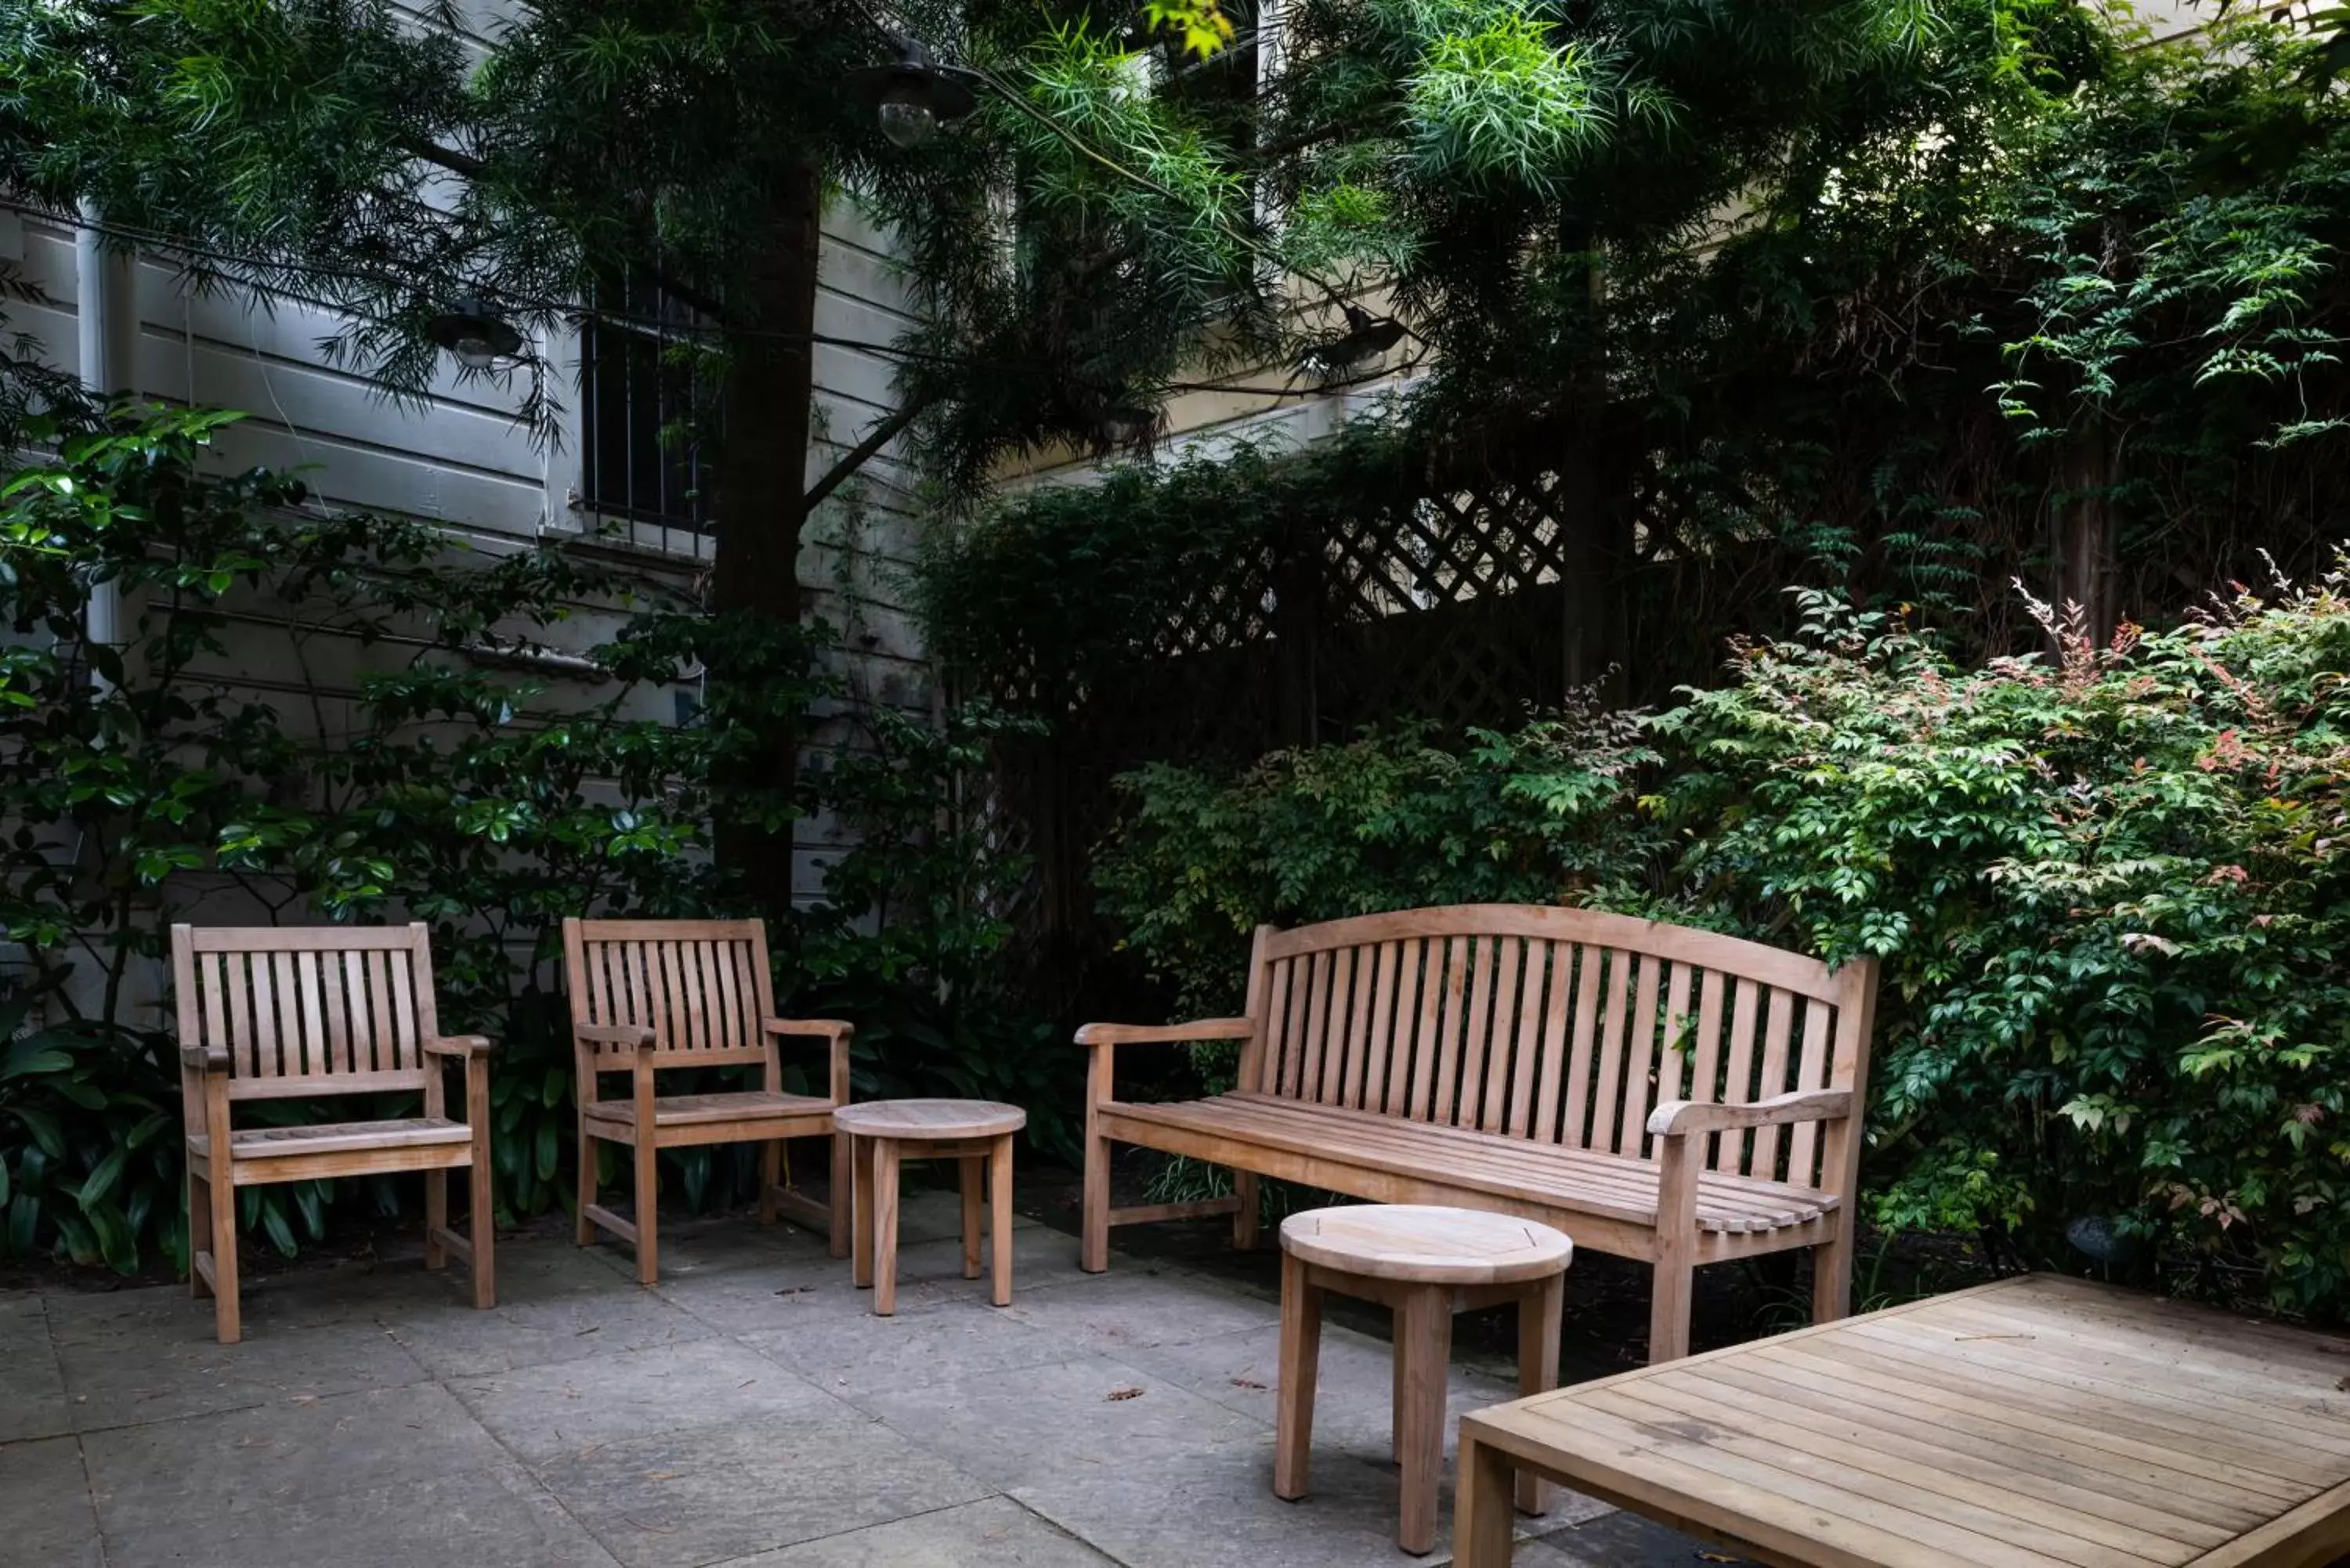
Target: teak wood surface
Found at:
318, 1012
1423, 1264
2040, 1422
649, 997
1658, 1093
976, 1134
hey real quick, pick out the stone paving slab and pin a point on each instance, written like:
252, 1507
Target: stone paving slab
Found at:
748, 1409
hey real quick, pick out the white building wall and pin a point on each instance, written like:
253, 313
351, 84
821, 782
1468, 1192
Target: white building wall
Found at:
460, 457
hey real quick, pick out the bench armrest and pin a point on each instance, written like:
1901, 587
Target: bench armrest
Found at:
1678, 1118
459, 1046
1143, 1033
204, 1059
631, 1037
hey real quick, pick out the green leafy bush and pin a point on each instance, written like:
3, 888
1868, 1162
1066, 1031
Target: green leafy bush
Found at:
2108, 888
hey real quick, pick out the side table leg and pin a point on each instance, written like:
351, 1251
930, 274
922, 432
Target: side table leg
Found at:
1480, 1506
974, 1172
885, 1226
861, 1165
999, 1218
1538, 1322
1424, 1343
1301, 1356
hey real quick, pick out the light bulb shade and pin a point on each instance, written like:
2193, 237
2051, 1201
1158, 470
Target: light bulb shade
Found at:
905, 119
911, 96
1366, 338
474, 332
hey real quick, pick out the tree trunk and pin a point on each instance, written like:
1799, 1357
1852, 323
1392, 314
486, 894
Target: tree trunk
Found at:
761, 474
2084, 541
1597, 545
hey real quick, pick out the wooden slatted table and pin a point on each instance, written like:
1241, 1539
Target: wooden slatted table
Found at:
2034, 1422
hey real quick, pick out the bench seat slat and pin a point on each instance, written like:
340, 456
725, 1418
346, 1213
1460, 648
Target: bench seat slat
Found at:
1605, 1183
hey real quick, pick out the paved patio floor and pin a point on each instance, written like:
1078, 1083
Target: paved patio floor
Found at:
749, 1410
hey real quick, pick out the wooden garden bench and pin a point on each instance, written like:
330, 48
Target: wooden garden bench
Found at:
654, 996
318, 1012
1656, 1092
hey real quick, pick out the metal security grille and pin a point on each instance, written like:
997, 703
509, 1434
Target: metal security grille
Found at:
643, 411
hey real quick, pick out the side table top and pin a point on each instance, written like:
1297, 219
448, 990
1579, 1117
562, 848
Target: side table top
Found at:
1426, 1244
928, 1118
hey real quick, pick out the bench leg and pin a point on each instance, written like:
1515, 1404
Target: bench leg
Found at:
1301, 1356
1538, 1324
999, 1218
1831, 1278
974, 1176
1092, 1239
1244, 1186
1480, 1506
1424, 1344
1669, 1311
885, 1226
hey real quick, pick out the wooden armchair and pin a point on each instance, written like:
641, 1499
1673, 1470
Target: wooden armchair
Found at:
321, 1012
650, 996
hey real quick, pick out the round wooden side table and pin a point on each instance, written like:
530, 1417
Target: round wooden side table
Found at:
884, 1133
1424, 1263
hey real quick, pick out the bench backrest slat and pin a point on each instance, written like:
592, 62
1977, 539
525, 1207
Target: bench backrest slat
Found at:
1563, 1026
703, 987
308, 1009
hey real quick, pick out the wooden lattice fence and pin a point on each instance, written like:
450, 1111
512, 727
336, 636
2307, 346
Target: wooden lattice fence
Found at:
1448, 606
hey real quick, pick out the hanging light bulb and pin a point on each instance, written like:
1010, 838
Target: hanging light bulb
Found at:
912, 96
476, 334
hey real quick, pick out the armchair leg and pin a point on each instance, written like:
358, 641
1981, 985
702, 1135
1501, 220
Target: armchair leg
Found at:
771, 1177
482, 1225
228, 1317
200, 1230
648, 1199
583, 1230
436, 1218
838, 1197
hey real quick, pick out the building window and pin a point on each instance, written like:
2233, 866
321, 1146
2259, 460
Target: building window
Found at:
643, 411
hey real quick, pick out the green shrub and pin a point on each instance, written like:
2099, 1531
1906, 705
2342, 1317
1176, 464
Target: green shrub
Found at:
2109, 889
447, 787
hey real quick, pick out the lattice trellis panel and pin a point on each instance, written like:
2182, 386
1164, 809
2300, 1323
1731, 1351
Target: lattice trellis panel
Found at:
1444, 606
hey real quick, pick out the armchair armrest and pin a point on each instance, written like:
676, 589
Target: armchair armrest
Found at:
459, 1046
1678, 1118
631, 1037
1147, 1033
829, 1028
204, 1059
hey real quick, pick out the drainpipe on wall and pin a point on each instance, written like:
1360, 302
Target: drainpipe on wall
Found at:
102, 312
